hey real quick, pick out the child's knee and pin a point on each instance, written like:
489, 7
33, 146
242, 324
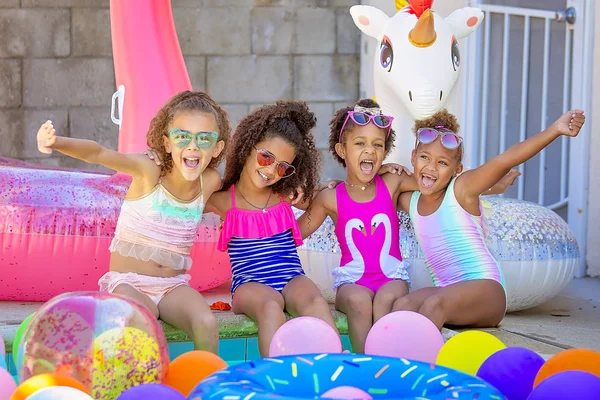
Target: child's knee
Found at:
405, 303
359, 303
270, 308
319, 303
432, 305
205, 323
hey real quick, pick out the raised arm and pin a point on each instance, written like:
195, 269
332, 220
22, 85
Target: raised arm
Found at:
474, 182
90, 151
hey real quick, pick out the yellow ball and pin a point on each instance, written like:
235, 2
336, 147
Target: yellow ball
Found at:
468, 350
124, 357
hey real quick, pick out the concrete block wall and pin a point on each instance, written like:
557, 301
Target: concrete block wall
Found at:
56, 63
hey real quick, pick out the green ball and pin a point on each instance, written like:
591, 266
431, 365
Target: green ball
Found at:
18, 337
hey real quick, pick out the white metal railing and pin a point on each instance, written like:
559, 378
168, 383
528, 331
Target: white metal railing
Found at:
480, 152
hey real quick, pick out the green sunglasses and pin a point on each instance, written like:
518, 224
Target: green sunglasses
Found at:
204, 140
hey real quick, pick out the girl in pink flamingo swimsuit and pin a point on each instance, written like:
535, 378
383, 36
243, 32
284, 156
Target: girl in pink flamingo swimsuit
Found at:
371, 276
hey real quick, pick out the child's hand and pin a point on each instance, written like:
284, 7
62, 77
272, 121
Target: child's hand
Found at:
332, 184
46, 137
570, 123
394, 168
152, 155
299, 196
506, 181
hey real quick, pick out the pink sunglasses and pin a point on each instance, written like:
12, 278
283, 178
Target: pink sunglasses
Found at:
362, 118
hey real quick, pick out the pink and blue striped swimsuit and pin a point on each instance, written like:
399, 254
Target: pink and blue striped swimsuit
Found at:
453, 244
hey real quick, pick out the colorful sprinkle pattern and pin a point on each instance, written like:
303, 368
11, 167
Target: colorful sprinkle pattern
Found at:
309, 376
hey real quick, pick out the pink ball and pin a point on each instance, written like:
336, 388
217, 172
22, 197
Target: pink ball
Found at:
7, 385
304, 335
405, 334
345, 392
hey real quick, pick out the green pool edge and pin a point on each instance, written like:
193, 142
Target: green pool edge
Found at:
233, 351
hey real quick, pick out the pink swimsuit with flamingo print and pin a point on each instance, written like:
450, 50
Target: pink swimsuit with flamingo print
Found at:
369, 239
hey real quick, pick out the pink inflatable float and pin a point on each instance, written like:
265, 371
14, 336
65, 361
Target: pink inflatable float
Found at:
56, 224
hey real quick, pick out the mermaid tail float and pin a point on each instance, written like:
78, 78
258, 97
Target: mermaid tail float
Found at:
56, 224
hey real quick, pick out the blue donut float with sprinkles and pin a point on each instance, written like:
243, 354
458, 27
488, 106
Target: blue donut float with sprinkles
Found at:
311, 375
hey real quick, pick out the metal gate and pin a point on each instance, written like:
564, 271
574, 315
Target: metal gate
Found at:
525, 67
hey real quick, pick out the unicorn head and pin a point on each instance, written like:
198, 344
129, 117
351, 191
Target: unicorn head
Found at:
417, 62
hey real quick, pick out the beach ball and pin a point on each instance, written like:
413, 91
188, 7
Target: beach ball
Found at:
106, 341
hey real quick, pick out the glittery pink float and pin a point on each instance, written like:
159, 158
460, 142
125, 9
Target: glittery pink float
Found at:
56, 224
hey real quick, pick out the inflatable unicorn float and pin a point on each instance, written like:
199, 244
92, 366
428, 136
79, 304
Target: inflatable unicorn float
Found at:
56, 224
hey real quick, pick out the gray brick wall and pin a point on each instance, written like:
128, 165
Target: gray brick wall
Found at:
55, 63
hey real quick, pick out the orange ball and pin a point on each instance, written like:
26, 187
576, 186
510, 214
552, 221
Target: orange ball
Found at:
189, 369
41, 381
568, 360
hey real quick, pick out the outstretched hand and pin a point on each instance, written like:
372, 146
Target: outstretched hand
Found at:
504, 183
570, 123
46, 137
152, 155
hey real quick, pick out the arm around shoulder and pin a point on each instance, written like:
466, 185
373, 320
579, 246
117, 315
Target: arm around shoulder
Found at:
316, 213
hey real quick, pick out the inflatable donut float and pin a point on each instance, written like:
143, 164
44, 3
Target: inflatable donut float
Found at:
310, 376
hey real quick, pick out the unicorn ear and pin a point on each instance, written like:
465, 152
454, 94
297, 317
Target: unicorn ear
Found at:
464, 21
370, 20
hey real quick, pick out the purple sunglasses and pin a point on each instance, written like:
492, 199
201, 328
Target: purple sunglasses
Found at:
362, 118
450, 140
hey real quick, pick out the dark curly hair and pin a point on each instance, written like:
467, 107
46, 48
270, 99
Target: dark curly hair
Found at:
335, 126
445, 119
185, 101
293, 122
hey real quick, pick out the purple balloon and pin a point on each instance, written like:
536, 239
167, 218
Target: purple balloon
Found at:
512, 371
565, 385
151, 391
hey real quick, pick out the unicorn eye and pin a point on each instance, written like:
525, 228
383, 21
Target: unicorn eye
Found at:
386, 55
455, 53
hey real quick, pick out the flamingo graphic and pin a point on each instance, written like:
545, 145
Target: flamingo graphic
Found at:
387, 262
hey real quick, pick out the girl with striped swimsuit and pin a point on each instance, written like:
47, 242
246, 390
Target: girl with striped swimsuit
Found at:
469, 287
272, 153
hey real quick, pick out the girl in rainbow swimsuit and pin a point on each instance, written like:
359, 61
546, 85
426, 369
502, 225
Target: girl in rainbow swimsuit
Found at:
162, 209
446, 214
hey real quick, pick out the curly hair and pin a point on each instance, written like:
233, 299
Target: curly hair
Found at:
185, 101
293, 122
336, 123
441, 118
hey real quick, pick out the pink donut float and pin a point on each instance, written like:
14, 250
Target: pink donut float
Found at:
56, 224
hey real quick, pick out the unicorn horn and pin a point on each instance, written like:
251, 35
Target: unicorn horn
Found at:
423, 34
